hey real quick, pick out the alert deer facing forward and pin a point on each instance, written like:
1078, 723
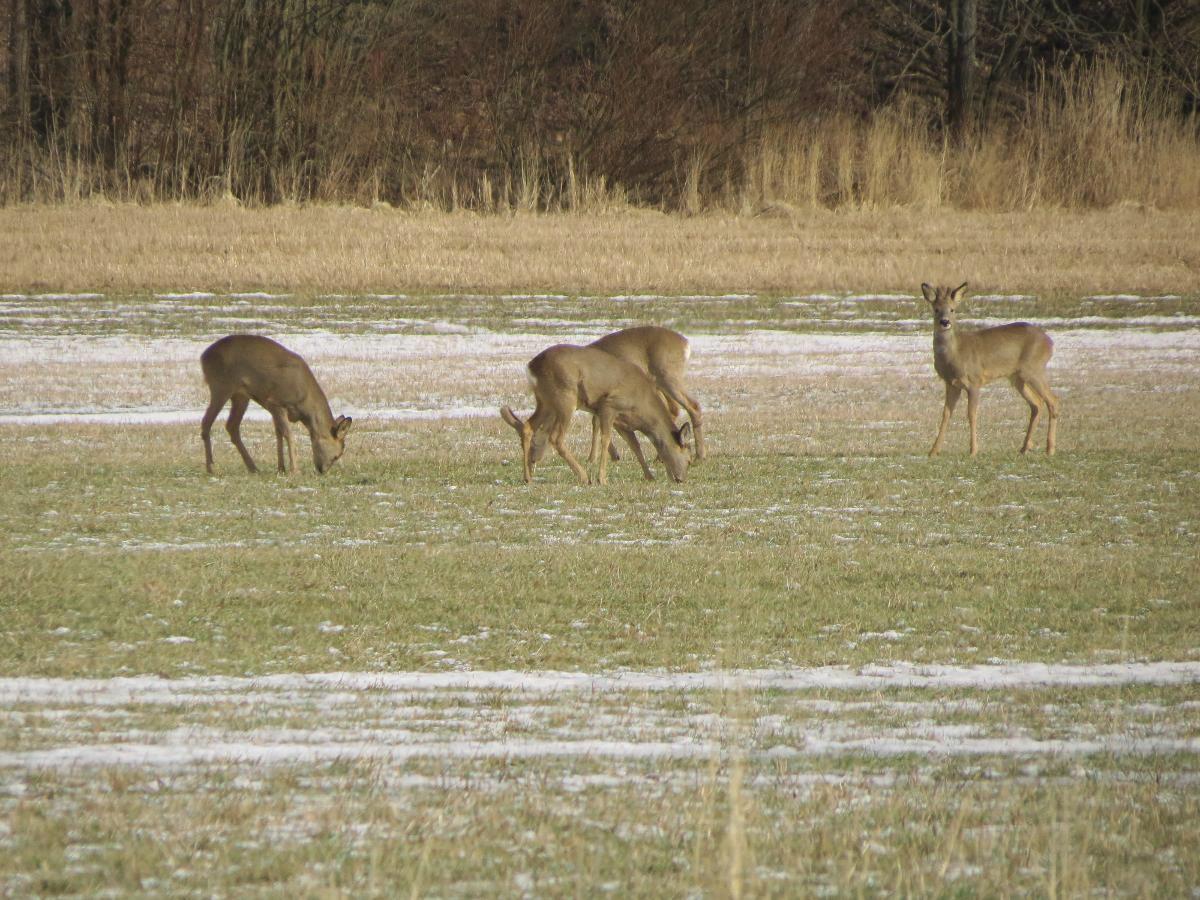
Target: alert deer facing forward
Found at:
245, 367
621, 396
663, 355
967, 360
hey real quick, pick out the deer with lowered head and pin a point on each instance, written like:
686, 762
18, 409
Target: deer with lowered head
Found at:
967, 360
621, 396
245, 367
662, 354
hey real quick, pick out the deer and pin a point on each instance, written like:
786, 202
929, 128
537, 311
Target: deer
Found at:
967, 360
622, 397
662, 354
245, 367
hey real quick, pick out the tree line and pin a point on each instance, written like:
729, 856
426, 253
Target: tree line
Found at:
503, 103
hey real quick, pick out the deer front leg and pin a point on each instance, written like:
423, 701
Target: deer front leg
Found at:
283, 432
233, 425
595, 451
952, 395
973, 417
606, 417
558, 441
632, 441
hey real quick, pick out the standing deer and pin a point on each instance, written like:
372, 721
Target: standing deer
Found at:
970, 359
663, 355
565, 378
245, 367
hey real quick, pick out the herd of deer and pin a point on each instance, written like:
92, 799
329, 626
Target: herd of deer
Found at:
630, 381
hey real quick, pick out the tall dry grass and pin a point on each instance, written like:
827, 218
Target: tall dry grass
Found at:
1092, 137
1089, 137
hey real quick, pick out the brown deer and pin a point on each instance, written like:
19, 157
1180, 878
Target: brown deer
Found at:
967, 360
245, 367
621, 396
663, 355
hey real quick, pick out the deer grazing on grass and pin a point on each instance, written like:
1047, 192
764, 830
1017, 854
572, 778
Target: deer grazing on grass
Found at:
663, 355
967, 360
621, 396
245, 367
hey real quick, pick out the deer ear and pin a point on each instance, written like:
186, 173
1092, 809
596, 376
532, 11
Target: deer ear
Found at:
341, 426
928, 292
684, 434
957, 293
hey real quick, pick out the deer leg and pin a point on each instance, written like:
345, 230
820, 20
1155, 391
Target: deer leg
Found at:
594, 452
632, 441
606, 428
1035, 408
210, 415
973, 417
1042, 388
233, 425
680, 398
283, 432
527, 460
952, 395
558, 441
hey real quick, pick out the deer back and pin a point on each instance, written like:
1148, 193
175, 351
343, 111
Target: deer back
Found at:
658, 351
267, 372
1002, 351
593, 378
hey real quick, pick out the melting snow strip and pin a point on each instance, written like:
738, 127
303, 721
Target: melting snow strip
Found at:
153, 689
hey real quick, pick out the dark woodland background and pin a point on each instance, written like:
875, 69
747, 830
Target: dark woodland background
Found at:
541, 104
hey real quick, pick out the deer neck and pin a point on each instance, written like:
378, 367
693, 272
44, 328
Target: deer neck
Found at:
316, 415
947, 351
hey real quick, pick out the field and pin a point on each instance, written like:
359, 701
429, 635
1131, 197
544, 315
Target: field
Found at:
825, 664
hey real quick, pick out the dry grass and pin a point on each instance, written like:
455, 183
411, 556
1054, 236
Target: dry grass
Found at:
1091, 138
128, 248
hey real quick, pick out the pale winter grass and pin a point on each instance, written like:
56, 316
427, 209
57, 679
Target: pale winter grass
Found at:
818, 510
818, 534
347, 250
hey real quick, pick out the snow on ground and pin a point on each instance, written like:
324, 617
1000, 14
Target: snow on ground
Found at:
445, 360
168, 723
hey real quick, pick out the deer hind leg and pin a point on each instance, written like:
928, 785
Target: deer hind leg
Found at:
678, 398
283, 432
233, 425
632, 441
973, 417
1043, 389
210, 415
952, 395
1031, 397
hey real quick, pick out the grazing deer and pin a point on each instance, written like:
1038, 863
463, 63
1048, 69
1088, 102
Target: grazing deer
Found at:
245, 367
970, 359
663, 355
621, 396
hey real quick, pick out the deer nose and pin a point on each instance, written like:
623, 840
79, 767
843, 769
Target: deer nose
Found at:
945, 323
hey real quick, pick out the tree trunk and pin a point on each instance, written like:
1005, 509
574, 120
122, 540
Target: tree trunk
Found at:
960, 71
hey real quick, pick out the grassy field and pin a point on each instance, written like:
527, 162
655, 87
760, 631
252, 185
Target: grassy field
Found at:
818, 540
316, 249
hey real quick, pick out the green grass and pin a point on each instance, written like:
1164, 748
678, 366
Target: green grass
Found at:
756, 561
818, 533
